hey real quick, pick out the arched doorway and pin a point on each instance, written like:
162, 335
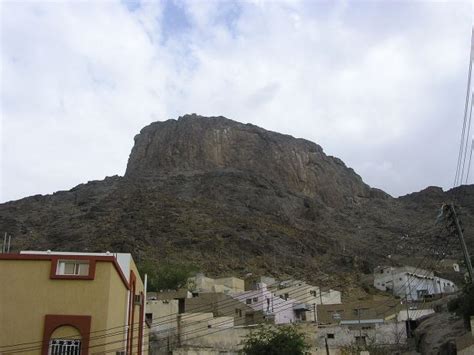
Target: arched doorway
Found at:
66, 335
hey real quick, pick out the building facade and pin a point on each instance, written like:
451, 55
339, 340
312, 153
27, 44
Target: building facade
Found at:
224, 305
410, 282
307, 297
276, 309
71, 303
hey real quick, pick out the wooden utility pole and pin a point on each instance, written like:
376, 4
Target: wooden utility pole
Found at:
467, 258
408, 317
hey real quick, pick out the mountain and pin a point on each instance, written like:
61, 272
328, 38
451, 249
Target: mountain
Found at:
233, 197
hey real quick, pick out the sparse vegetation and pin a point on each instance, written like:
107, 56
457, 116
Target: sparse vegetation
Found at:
464, 304
168, 276
275, 341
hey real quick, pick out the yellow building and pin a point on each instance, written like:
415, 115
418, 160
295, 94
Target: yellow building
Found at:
55, 303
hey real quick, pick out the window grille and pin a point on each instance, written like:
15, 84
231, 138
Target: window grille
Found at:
64, 347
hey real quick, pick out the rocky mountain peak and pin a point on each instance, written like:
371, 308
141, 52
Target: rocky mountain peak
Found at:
194, 145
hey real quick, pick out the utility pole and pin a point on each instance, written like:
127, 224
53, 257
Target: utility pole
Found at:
408, 317
327, 347
454, 221
360, 328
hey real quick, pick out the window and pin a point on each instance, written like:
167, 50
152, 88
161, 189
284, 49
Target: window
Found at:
255, 299
248, 301
312, 293
73, 267
330, 335
149, 317
286, 296
238, 312
64, 347
137, 300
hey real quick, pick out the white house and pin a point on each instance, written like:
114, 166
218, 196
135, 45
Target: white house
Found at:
307, 297
410, 282
264, 300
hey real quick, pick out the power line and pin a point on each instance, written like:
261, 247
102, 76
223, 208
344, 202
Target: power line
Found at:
11, 351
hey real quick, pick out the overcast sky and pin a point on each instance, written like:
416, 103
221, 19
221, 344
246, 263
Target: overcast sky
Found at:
380, 85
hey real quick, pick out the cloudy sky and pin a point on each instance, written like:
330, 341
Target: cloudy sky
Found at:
379, 84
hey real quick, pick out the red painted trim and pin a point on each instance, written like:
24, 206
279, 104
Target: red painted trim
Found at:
53, 257
81, 323
140, 326
131, 312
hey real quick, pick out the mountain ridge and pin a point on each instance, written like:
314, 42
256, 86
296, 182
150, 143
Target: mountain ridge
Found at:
235, 198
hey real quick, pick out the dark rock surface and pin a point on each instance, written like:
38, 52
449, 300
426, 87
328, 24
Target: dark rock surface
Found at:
232, 197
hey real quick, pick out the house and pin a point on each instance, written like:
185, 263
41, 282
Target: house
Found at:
274, 308
225, 305
368, 312
413, 283
162, 316
71, 303
391, 335
179, 295
201, 283
306, 297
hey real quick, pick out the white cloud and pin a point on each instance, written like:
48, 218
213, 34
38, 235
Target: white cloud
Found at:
374, 86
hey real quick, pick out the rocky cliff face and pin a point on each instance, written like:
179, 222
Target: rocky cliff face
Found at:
231, 197
194, 145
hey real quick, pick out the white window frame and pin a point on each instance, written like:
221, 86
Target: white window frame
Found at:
60, 269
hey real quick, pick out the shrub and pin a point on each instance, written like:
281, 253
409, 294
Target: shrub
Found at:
275, 341
166, 276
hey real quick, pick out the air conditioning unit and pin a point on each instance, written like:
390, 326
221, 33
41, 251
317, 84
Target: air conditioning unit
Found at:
137, 300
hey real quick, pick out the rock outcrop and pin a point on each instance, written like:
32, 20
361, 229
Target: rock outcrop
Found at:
235, 197
195, 145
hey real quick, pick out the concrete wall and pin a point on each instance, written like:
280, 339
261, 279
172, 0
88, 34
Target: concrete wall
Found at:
164, 327
234, 283
382, 334
223, 339
333, 314
201, 283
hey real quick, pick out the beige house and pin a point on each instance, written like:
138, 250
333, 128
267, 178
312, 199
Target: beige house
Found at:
162, 316
223, 305
71, 303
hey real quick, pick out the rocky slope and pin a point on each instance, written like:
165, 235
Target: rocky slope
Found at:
236, 198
